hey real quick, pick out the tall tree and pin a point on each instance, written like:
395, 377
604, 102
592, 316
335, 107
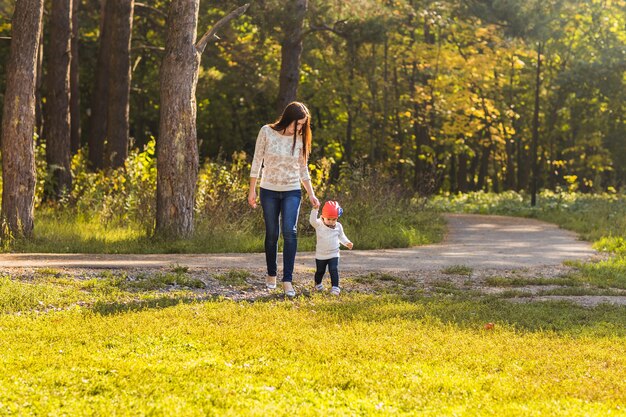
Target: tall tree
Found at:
74, 82
116, 149
18, 120
177, 146
57, 128
100, 95
291, 50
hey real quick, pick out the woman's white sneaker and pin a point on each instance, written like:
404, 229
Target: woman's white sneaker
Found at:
288, 288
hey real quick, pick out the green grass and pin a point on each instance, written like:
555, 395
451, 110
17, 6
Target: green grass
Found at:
66, 232
523, 282
457, 270
235, 278
360, 355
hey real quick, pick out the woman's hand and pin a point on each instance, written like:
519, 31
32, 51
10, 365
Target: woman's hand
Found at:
314, 201
252, 198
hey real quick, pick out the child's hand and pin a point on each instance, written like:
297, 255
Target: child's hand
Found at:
349, 245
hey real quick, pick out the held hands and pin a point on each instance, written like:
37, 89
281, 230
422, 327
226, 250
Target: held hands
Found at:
314, 202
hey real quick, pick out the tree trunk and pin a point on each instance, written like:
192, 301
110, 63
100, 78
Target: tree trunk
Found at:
352, 50
74, 83
453, 174
57, 131
100, 96
399, 130
509, 182
522, 165
535, 145
177, 147
18, 120
116, 149
291, 50
382, 154
39, 122
462, 174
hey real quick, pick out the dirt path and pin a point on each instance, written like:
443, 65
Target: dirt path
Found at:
475, 241
476, 249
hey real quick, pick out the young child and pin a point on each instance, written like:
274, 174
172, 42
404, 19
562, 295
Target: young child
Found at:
329, 235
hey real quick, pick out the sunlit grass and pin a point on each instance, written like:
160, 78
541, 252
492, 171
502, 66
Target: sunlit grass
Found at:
357, 355
67, 232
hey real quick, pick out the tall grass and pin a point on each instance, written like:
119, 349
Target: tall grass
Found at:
113, 211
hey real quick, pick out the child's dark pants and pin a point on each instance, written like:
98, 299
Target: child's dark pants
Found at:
333, 268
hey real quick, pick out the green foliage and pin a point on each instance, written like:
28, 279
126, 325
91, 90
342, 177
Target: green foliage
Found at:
113, 211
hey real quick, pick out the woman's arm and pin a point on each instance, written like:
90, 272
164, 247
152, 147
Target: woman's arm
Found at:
257, 163
309, 190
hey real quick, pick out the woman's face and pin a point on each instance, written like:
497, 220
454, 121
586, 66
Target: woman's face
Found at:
300, 124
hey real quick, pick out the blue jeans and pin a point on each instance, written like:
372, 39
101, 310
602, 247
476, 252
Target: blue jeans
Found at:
333, 269
280, 212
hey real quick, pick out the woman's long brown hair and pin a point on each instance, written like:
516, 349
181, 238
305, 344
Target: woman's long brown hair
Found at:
292, 113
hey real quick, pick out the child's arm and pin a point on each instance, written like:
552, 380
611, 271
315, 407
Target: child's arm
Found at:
313, 218
343, 239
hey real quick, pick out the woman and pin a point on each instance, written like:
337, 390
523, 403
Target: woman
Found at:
282, 150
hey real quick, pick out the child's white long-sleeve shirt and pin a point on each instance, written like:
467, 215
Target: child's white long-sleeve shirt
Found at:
328, 239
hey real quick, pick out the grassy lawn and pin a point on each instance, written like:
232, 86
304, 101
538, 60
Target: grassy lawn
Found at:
114, 346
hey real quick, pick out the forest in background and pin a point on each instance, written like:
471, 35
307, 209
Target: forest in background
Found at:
440, 96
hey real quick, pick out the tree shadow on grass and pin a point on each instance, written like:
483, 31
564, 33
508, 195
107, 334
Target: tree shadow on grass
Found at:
559, 317
115, 307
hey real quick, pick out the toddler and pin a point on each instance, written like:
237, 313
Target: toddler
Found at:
329, 235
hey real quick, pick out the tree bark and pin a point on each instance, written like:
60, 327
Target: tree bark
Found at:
57, 131
291, 50
39, 122
100, 96
74, 83
177, 146
510, 141
116, 149
18, 120
461, 175
535, 145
